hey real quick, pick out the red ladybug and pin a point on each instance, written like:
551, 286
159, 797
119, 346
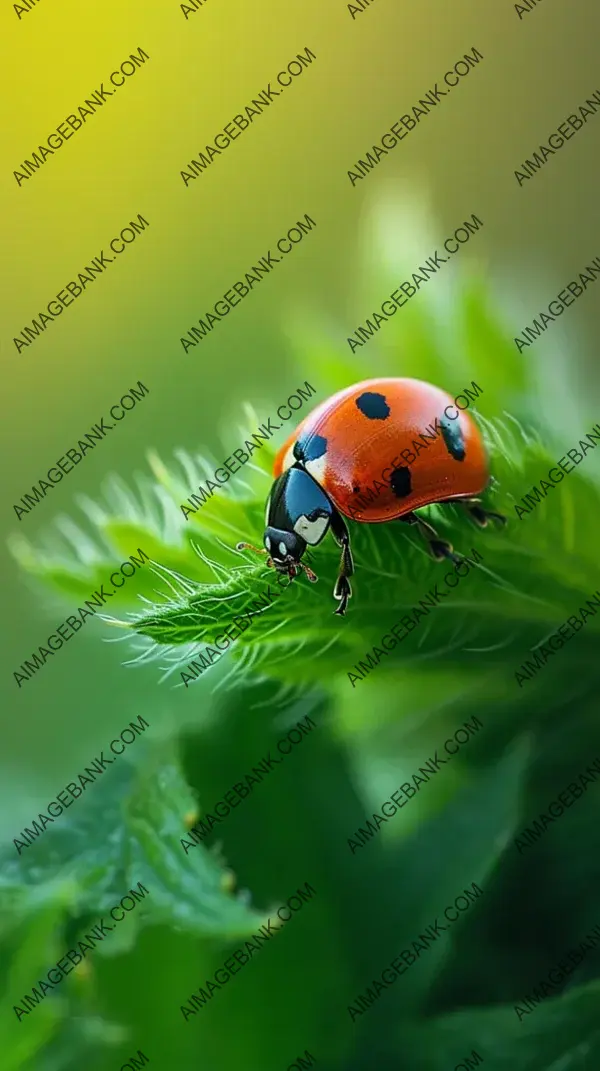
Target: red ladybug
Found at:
373, 452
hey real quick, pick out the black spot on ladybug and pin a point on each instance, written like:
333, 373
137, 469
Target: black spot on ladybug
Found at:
309, 447
453, 439
400, 482
356, 490
373, 406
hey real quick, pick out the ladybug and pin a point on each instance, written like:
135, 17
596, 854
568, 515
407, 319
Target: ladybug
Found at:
374, 452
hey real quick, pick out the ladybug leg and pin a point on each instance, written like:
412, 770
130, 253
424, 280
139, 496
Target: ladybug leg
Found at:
438, 548
342, 590
480, 515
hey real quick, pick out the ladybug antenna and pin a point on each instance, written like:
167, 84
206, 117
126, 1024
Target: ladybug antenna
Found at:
257, 550
250, 546
309, 573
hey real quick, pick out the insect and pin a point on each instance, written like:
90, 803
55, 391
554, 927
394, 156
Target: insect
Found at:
374, 452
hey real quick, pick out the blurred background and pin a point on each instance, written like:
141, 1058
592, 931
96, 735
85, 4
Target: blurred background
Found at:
534, 407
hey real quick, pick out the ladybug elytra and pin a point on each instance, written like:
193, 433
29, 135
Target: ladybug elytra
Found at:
373, 452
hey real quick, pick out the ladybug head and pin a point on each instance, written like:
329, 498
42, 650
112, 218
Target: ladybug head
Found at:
285, 548
298, 514
288, 549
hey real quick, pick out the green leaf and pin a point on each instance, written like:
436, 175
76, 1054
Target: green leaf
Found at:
444, 856
394, 572
127, 830
561, 1034
33, 927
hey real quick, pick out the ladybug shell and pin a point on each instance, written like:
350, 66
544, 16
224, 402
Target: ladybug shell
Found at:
348, 440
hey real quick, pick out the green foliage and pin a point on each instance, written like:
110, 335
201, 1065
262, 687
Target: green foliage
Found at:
142, 812
393, 572
459, 663
560, 1035
125, 831
35, 926
535, 573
